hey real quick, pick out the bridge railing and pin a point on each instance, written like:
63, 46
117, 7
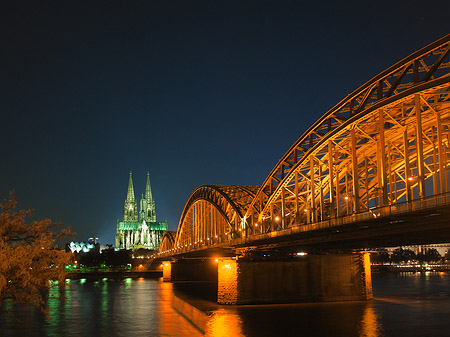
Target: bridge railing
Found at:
385, 211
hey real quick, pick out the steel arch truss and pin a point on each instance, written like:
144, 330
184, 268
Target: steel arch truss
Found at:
213, 214
167, 242
385, 143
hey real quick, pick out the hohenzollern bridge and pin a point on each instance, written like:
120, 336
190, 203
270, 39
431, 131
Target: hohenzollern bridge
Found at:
371, 172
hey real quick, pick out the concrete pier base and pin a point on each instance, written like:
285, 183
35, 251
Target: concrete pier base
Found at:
315, 278
167, 271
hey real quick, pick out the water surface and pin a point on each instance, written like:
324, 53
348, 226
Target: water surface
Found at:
404, 305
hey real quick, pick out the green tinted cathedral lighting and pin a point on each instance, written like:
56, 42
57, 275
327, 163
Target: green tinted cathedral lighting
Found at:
139, 228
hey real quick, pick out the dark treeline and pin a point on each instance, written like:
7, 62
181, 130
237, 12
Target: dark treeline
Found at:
400, 255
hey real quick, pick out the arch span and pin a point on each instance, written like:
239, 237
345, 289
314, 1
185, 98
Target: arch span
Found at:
167, 241
385, 144
213, 214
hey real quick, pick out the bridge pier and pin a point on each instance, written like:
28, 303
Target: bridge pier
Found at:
312, 278
167, 271
315, 278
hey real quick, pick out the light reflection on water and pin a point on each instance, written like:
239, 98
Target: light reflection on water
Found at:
321, 319
404, 305
224, 323
370, 324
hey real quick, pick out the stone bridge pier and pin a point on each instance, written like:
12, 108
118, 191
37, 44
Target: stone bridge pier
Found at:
311, 278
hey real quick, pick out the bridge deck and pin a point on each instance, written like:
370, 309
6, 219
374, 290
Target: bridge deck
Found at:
419, 222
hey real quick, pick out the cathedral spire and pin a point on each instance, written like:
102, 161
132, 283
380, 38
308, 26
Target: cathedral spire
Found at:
130, 194
148, 189
130, 206
148, 212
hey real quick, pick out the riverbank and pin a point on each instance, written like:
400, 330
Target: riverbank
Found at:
411, 268
122, 274
117, 275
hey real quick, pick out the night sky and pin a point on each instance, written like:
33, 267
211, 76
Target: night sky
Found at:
194, 92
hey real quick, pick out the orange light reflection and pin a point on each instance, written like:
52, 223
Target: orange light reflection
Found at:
224, 323
370, 324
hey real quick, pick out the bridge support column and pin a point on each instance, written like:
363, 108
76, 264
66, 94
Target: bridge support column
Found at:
167, 271
315, 278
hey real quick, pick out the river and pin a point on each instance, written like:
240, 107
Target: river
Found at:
409, 304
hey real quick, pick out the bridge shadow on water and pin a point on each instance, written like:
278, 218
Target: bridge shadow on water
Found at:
196, 301
404, 304
197, 291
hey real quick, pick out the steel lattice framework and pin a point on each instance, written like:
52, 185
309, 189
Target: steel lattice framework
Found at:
213, 214
386, 143
167, 241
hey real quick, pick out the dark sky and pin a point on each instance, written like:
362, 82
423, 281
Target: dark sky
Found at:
194, 92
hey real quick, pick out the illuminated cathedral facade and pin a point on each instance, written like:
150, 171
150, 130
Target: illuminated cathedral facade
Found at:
139, 229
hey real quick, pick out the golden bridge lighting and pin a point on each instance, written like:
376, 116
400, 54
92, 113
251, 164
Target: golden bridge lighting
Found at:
385, 144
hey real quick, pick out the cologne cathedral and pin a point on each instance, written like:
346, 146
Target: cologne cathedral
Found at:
139, 229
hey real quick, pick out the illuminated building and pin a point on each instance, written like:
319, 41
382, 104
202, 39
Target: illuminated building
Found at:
140, 230
77, 247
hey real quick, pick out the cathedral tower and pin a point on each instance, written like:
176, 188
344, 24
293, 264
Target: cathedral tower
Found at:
148, 211
130, 207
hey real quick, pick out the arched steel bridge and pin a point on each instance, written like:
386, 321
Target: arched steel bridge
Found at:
384, 150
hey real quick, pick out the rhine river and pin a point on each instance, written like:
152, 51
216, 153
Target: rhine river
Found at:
404, 305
